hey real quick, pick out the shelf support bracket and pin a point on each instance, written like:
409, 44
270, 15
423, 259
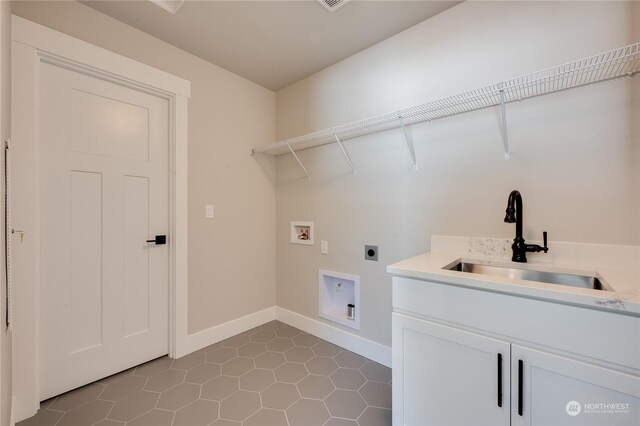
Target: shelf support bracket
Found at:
299, 162
346, 154
409, 143
505, 134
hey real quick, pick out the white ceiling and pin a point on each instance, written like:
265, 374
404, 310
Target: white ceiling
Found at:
273, 43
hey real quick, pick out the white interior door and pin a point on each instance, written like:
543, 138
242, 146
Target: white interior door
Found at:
103, 194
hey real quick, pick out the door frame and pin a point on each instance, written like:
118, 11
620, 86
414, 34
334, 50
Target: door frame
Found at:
32, 45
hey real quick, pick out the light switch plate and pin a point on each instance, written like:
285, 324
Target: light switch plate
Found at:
324, 247
209, 211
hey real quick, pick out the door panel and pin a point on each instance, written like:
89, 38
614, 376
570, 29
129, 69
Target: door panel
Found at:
444, 376
86, 260
562, 391
103, 193
109, 127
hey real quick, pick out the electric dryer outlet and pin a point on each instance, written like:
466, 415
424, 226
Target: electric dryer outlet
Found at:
371, 253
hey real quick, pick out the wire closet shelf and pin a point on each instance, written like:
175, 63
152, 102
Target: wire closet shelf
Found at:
621, 62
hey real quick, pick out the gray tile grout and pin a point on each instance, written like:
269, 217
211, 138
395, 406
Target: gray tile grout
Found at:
109, 412
149, 410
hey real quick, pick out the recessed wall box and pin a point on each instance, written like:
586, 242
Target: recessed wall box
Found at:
302, 233
337, 291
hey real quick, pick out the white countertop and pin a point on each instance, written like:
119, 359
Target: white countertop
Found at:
619, 266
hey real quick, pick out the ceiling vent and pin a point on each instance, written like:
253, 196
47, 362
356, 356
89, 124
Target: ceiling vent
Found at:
170, 6
332, 5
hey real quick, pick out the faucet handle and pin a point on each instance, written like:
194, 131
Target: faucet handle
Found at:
544, 239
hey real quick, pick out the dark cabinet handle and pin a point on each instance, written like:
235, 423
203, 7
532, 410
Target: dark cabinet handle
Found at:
159, 240
520, 371
500, 380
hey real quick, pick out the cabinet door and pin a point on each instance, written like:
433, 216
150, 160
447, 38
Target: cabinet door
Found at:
446, 376
552, 390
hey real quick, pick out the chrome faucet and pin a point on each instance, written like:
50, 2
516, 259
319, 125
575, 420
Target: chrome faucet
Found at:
514, 215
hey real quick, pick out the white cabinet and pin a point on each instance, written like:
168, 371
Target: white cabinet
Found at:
447, 376
553, 390
444, 376
447, 343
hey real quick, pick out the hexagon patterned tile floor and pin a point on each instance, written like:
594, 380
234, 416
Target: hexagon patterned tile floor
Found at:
270, 375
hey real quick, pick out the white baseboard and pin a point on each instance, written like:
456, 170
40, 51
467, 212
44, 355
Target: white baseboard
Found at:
365, 347
204, 338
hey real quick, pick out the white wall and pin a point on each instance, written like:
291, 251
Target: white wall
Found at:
5, 132
575, 154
